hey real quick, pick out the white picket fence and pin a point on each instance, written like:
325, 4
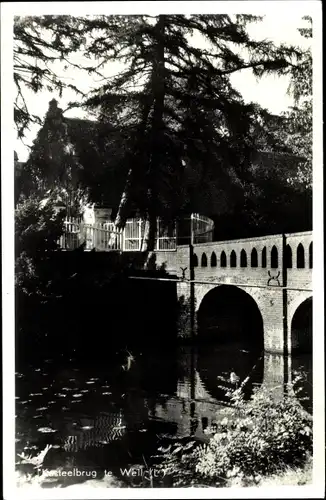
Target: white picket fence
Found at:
106, 237
134, 235
99, 236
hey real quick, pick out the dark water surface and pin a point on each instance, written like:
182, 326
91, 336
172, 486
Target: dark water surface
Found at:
116, 413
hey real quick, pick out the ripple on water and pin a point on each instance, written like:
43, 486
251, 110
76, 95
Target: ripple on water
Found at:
46, 430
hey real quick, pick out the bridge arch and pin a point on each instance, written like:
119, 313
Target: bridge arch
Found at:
264, 258
310, 256
274, 257
243, 258
300, 257
254, 258
229, 314
204, 260
233, 259
301, 327
288, 256
223, 262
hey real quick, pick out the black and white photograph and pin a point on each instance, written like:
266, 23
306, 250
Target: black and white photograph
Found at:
162, 230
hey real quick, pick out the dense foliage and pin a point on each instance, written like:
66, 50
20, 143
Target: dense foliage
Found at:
40, 43
299, 119
53, 165
38, 228
187, 126
183, 136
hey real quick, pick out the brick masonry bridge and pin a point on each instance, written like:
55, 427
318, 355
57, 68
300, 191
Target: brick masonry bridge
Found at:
247, 286
265, 282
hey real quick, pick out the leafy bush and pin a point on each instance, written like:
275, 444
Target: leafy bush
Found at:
38, 228
264, 436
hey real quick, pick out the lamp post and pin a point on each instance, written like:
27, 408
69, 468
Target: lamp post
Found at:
285, 314
192, 277
192, 329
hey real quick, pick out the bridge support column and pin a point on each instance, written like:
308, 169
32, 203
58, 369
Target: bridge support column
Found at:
187, 323
271, 304
276, 373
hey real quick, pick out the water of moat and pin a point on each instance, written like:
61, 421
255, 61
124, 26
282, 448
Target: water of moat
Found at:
117, 413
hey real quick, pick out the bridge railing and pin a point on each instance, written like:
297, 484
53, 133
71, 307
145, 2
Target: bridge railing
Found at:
203, 228
105, 236
101, 236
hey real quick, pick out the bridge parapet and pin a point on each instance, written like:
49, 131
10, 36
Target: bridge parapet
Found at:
258, 261
250, 260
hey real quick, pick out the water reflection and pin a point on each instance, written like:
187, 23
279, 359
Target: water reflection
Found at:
303, 364
105, 416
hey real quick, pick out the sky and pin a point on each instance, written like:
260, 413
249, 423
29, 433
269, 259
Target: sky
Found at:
270, 91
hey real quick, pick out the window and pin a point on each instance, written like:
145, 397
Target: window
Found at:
213, 260
310, 256
243, 258
254, 258
223, 259
300, 257
204, 260
195, 260
274, 258
233, 259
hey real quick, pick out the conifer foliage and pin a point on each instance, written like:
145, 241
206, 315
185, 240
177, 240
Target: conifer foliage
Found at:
183, 128
53, 165
184, 119
39, 42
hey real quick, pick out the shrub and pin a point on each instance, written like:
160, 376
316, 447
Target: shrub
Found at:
37, 230
263, 436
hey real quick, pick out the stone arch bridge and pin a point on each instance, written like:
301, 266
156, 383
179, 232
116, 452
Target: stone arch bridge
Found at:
271, 275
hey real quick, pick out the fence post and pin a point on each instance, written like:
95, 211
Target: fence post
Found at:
139, 235
157, 233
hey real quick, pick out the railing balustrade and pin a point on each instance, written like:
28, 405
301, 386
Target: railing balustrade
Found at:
105, 236
99, 236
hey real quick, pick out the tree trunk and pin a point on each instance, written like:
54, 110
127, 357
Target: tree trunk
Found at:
158, 89
120, 219
122, 214
158, 93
